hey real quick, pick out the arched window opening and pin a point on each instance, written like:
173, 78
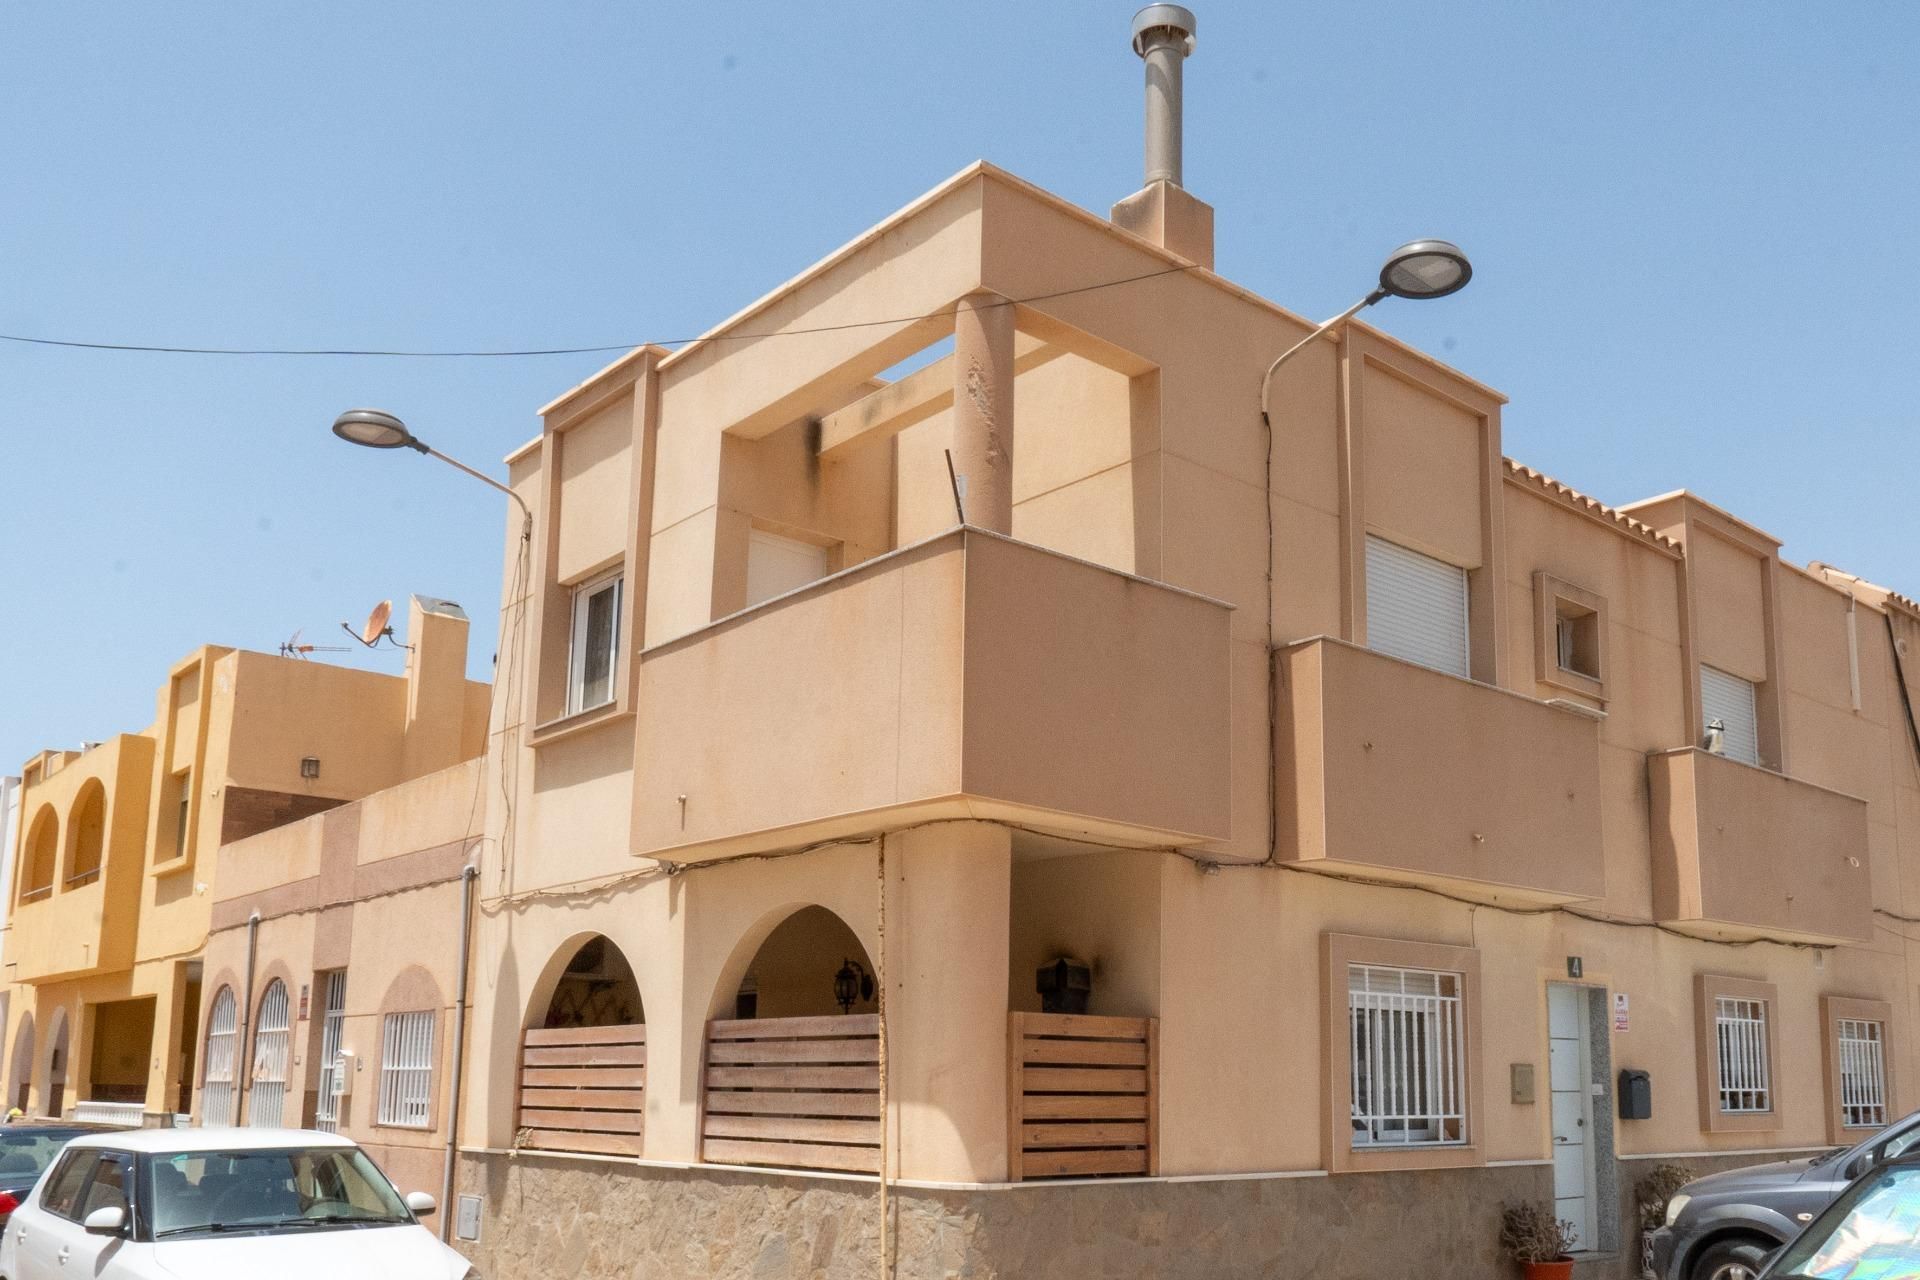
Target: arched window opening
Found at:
217, 1093
583, 1062
89, 834
42, 847
794, 1078
267, 1096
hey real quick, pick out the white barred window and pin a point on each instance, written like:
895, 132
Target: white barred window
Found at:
1407, 1056
1863, 1074
406, 1070
217, 1090
1745, 1074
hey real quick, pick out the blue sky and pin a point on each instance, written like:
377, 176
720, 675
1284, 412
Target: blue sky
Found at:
1688, 224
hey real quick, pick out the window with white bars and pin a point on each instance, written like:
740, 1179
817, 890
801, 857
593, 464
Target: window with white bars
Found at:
216, 1093
267, 1095
406, 1070
1863, 1074
1745, 1074
326, 1107
1406, 1057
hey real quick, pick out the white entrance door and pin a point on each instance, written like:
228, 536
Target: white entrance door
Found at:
1569, 1077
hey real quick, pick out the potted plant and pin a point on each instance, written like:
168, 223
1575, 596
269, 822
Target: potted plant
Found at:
1537, 1240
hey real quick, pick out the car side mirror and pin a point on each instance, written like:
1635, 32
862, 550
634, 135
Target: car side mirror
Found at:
110, 1221
421, 1203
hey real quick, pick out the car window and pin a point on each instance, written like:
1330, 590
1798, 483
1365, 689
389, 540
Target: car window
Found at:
26, 1153
1872, 1230
270, 1189
1897, 1143
108, 1187
62, 1192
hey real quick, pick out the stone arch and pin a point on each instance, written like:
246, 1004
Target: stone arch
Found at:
86, 835
587, 982
785, 966
39, 854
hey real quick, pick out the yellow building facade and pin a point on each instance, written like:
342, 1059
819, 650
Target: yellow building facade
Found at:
114, 882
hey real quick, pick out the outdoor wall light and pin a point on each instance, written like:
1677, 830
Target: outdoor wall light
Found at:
850, 984
1418, 269
378, 429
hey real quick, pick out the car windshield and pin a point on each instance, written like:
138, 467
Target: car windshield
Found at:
26, 1153
1871, 1232
293, 1189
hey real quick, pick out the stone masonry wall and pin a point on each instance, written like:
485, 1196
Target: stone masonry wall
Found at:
547, 1215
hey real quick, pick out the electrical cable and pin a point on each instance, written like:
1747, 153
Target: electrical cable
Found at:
158, 349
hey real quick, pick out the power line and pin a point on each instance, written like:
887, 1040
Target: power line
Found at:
157, 349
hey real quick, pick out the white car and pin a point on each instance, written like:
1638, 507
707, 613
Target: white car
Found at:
222, 1204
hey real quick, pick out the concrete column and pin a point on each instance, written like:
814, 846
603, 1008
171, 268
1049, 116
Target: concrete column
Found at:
948, 893
983, 409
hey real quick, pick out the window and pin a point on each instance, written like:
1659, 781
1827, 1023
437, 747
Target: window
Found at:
1570, 637
1863, 1074
406, 1070
1406, 1056
326, 1106
108, 1188
595, 653
216, 1093
267, 1098
1417, 608
1740, 1027
1729, 701
777, 565
62, 1192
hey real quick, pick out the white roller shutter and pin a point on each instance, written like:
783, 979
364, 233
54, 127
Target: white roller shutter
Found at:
1417, 607
777, 565
1729, 699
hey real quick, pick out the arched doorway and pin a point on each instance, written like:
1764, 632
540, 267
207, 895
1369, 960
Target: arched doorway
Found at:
217, 1091
57, 1063
20, 1070
267, 1094
583, 1056
792, 1072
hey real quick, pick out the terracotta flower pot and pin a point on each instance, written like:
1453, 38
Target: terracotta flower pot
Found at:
1558, 1269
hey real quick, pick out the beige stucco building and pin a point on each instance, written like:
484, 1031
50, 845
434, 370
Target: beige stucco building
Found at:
119, 873
1397, 797
1394, 798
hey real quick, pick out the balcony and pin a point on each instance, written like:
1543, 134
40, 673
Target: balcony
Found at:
1394, 772
969, 676
1743, 852
64, 935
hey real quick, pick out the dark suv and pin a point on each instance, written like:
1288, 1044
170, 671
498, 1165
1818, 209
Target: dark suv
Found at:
1717, 1226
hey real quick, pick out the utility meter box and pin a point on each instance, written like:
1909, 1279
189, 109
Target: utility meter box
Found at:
1636, 1095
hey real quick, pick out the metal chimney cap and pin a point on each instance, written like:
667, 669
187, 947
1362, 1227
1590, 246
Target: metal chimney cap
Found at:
1171, 17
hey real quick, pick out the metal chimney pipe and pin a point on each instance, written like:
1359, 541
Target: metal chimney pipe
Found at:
1163, 37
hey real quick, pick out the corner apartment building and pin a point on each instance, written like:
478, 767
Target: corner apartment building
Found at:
114, 887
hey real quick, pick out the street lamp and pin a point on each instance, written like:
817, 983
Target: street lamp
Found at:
1417, 269
378, 429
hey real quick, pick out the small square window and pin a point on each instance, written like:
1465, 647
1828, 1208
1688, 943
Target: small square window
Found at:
594, 655
1571, 649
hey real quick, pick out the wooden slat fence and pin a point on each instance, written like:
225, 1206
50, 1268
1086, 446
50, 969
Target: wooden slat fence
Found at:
792, 1092
1082, 1096
584, 1088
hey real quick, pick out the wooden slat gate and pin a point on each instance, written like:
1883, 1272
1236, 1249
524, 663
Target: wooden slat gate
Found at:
793, 1092
584, 1088
1082, 1096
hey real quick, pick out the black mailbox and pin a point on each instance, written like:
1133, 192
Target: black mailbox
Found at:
1636, 1095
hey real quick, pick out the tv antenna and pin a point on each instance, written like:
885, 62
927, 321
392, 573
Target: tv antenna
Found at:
294, 649
377, 627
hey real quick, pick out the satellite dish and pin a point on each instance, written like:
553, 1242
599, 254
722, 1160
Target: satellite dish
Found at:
376, 623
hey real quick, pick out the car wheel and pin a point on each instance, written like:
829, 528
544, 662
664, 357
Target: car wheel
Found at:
1730, 1260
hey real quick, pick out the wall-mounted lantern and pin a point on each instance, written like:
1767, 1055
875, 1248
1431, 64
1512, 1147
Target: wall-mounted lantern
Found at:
852, 983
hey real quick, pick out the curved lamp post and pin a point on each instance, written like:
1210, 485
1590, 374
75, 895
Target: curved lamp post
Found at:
1417, 269
378, 429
